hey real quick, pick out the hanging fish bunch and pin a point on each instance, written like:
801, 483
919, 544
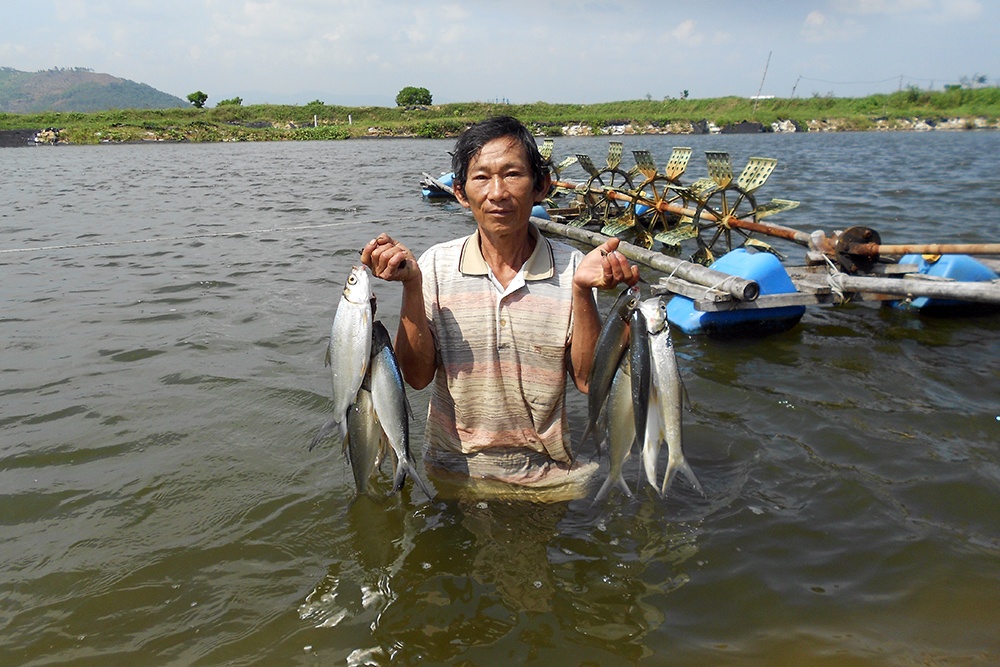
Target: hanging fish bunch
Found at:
370, 410
635, 386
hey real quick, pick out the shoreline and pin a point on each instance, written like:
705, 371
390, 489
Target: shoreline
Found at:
235, 132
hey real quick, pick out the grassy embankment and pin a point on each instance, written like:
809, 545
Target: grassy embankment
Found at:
282, 122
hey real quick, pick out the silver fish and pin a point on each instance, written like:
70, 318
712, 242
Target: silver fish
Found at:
611, 345
669, 393
350, 349
620, 429
391, 407
365, 438
641, 373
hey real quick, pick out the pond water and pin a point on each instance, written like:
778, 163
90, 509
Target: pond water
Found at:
165, 315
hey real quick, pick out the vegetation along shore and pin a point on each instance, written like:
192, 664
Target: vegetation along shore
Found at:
956, 108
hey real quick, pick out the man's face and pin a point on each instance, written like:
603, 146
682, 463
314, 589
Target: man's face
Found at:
499, 189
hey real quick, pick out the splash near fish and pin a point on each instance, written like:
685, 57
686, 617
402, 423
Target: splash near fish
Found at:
370, 410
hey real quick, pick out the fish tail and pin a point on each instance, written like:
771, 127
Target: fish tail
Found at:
606, 488
325, 430
689, 473
405, 467
668, 477
602, 492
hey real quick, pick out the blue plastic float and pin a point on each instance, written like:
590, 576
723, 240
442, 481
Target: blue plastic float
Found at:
769, 273
955, 267
445, 179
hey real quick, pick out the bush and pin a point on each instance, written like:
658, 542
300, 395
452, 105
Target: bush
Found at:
236, 101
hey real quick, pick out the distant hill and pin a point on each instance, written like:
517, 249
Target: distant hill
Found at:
77, 89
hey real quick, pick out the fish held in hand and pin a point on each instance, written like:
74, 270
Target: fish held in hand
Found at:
621, 430
349, 351
392, 408
669, 393
365, 438
611, 345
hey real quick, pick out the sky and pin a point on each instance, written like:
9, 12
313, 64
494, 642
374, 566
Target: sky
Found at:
357, 52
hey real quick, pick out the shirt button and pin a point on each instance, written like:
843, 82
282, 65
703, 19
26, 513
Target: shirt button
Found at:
503, 322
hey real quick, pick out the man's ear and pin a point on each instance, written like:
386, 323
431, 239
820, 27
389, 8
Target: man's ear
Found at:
543, 191
460, 194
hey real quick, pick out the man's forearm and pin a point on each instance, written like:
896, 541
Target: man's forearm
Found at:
414, 341
586, 329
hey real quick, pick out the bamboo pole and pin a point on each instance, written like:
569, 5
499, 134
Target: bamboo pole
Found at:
739, 288
979, 292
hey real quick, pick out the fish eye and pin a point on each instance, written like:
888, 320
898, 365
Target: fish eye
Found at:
352, 279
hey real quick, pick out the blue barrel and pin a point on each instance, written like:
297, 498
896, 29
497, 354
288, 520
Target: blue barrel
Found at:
445, 179
956, 267
539, 211
769, 273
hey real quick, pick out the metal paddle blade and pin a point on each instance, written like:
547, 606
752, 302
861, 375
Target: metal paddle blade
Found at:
546, 149
700, 189
614, 154
763, 247
756, 172
683, 232
644, 163
720, 167
774, 206
587, 164
619, 225
678, 163
565, 163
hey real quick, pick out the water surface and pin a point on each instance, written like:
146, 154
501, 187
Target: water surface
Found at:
164, 330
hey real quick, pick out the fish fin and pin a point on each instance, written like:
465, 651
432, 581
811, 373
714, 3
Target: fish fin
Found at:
327, 360
583, 440
343, 432
606, 488
418, 481
325, 430
668, 477
689, 473
603, 491
686, 400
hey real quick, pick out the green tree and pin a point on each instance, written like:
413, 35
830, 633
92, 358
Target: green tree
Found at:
410, 96
236, 101
198, 99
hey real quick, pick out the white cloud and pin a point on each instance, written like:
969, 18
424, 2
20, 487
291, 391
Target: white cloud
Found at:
960, 10
819, 28
882, 6
685, 34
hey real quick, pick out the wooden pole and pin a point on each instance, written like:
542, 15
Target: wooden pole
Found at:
979, 292
739, 288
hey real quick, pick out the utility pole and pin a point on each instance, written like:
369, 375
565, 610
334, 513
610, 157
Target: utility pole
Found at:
796, 85
757, 99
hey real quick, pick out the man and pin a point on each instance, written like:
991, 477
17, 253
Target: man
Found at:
496, 320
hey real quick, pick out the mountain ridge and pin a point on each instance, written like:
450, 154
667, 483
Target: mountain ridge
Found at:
77, 89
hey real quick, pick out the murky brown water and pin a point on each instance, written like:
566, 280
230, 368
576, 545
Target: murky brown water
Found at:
161, 380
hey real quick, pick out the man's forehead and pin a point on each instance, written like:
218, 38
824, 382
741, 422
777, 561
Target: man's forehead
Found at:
508, 149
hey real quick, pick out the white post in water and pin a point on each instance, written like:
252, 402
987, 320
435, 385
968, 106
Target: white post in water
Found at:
315, 124
349, 120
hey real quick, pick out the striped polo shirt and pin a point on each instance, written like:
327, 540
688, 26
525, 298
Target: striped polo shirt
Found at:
502, 361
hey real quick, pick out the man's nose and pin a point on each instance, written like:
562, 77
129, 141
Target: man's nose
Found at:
498, 188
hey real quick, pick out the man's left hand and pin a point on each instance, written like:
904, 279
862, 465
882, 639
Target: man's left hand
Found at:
604, 267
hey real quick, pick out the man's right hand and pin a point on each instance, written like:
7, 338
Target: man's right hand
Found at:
390, 260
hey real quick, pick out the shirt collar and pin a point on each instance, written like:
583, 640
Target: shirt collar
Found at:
539, 266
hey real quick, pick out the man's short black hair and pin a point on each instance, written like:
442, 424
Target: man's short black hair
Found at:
473, 139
